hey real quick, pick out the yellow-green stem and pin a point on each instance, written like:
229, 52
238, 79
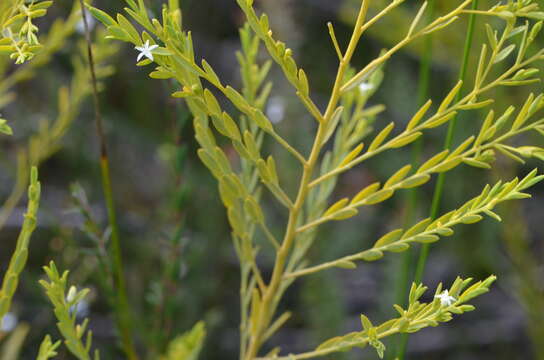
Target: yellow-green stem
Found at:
266, 307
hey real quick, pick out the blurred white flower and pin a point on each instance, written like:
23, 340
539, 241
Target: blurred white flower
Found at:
364, 87
80, 26
275, 110
9, 322
146, 50
81, 309
445, 298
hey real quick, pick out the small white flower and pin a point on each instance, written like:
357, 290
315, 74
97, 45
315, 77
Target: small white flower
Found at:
72, 292
81, 309
80, 26
8, 322
445, 298
146, 50
364, 87
275, 110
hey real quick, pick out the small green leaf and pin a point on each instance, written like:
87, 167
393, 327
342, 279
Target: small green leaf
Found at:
419, 115
336, 207
5, 128
447, 165
379, 196
417, 228
188, 345
367, 191
432, 162
303, 82
405, 140
430, 124
389, 238
414, 181
101, 16
504, 53
470, 219
346, 264
426, 239
352, 155
379, 139
372, 255
398, 176
397, 247
476, 163
345, 214
449, 98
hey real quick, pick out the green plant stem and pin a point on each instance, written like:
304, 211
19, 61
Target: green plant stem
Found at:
413, 195
123, 312
435, 206
268, 301
437, 196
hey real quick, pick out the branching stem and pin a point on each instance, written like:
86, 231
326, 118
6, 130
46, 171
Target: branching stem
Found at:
268, 301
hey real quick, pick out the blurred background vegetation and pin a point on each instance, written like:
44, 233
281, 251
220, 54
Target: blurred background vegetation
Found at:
179, 260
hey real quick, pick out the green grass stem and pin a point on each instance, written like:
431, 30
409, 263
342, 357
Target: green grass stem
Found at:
122, 307
437, 196
412, 197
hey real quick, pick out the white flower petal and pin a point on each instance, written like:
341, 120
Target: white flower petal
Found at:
445, 298
8, 322
364, 87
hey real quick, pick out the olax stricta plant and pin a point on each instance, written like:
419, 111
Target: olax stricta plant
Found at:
346, 120
505, 60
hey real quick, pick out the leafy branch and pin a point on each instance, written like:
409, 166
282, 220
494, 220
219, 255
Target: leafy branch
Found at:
429, 231
479, 155
417, 316
20, 255
64, 301
48, 349
171, 49
18, 34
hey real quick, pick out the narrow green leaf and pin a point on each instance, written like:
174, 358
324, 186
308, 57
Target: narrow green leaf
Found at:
346, 264
367, 191
416, 119
379, 139
504, 53
371, 255
389, 238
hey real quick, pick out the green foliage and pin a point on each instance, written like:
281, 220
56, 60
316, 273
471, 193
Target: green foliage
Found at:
64, 303
18, 34
20, 255
4, 127
506, 60
48, 348
47, 140
418, 315
188, 345
429, 231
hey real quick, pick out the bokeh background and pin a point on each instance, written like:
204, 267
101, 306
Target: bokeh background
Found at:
179, 260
